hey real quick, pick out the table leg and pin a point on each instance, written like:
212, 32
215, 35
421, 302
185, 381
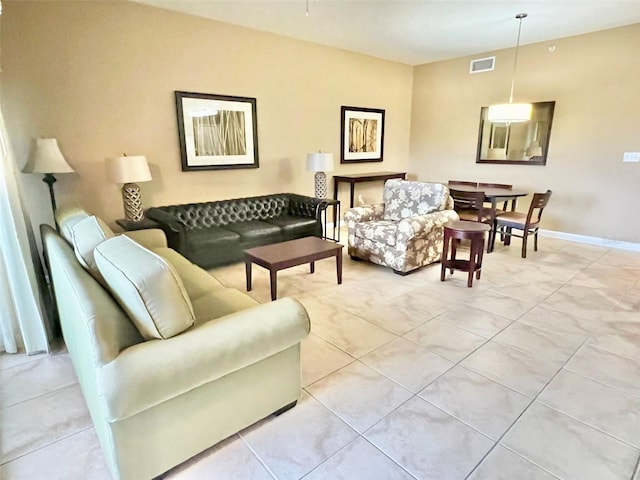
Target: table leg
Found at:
339, 266
248, 270
335, 197
351, 192
443, 258
312, 267
273, 274
480, 256
472, 261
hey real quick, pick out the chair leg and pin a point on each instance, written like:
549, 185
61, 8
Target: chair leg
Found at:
507, 237
535, 241
524, 244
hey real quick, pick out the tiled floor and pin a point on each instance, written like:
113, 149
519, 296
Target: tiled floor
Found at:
534, 373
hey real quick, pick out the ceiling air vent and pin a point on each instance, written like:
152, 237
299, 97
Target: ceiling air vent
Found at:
482, 65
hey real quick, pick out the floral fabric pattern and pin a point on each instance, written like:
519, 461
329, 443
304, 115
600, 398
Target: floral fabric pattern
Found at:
409, 242
404, 199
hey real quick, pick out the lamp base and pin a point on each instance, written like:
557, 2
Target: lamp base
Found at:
320, 182
132, 200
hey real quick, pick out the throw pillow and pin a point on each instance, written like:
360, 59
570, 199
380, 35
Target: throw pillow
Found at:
86, 235
146, 287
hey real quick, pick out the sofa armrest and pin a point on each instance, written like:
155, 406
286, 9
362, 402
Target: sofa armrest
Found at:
151, 238
366, 213
304, 206
173, 228
154, 371
422, 225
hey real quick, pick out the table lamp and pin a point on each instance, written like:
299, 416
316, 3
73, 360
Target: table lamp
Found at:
128, 170
48, 159
320, 162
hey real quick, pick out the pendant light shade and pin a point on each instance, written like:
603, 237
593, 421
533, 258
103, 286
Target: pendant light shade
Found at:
511, 112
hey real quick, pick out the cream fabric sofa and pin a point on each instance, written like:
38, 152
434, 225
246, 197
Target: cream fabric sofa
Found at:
406, 231
156, 403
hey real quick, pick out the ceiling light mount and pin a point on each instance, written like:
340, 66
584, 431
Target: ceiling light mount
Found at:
511, 112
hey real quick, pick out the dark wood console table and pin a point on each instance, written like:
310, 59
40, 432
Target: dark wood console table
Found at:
362, 177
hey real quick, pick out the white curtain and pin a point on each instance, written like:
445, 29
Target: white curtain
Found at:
21, 311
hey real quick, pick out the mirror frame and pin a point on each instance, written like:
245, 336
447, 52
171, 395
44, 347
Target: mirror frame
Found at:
542, 160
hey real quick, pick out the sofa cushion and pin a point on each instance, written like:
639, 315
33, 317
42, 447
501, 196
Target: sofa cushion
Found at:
86, 235
67, 217
379, 231
404, 199
294, 227
212, 237
146, 286
255, 230
221, 302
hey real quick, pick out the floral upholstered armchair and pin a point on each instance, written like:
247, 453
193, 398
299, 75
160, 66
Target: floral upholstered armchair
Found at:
404, 233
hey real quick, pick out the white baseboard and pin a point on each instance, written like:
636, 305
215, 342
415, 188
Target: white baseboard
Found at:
603, 242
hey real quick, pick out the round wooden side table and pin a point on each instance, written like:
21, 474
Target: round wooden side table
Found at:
463, 230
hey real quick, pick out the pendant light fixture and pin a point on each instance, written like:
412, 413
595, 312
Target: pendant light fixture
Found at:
511, 112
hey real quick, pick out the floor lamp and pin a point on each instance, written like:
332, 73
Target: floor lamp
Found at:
48, 159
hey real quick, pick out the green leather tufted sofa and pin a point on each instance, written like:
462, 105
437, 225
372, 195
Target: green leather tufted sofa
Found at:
216, 233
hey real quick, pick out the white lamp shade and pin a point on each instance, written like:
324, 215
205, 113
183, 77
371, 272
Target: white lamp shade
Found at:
319, 162
509, 113
47, 158
129, 169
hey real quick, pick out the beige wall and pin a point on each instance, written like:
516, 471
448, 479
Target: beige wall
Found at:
594, 80
100, 77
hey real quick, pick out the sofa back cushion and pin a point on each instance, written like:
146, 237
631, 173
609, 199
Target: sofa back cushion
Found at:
404, 199
66, 217
86, 235
146, 286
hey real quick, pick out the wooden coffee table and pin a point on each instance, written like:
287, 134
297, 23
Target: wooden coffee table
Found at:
279, 256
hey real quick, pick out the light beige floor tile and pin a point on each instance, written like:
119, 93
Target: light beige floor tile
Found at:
359, 461
509, 307
428, 443
621, 343
595, 404
446, 340
32, 379
359, 395
512, 368
535, 293
403, 313
503, 464
35, 423
552, 347
300, 439
408, 364
76, 456
230, 459
591, 303
601, 276
479, 402
9, 360
319, 358
474, 320
605, 367
547, 318
349, 333
569, 449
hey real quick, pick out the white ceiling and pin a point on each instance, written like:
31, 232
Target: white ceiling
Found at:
416, 31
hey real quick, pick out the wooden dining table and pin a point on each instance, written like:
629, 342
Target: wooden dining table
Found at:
494, 195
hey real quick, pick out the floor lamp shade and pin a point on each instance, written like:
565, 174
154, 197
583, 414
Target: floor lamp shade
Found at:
128, 170
320, 162
48, 159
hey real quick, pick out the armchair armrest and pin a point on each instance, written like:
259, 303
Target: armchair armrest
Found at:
154, 371
365, 213
151, 238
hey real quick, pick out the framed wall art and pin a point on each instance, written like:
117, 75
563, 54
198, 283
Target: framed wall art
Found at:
362, 135
217, 131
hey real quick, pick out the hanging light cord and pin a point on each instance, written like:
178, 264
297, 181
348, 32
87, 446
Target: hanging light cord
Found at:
519, 16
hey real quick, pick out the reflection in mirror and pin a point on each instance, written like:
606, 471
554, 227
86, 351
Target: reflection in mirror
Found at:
523, 143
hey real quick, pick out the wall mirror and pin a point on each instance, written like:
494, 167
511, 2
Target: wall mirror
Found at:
523, 143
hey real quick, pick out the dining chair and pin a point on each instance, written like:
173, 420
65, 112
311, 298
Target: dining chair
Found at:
528, 223
506, 203
460, 182
470, 207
